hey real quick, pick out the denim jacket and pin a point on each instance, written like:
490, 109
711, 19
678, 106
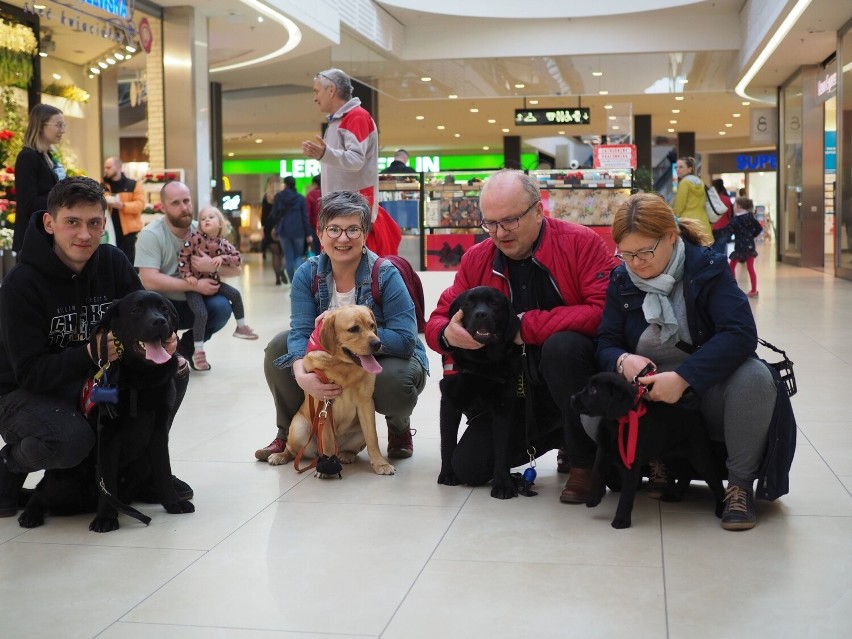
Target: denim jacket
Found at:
395, 316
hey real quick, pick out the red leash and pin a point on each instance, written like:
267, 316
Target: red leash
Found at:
627, 450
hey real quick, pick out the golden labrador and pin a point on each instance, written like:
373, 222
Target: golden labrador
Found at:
348, 342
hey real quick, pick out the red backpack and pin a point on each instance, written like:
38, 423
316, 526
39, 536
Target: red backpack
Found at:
409, 277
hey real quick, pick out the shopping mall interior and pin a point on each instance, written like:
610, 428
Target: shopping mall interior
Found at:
218, 93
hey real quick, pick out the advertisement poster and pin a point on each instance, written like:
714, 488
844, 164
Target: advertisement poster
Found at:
444, 250
615, 156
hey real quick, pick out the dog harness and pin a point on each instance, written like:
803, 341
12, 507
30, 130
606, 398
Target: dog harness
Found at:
627, 449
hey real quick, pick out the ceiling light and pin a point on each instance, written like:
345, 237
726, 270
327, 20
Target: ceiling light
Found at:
736, 115
130, 49
520, 85
505, 130
231, 154
561, 132
679, 98
56, 76
597, 74
456, 135
612, 117
603, 92
43, 54
670, 130
118, 56
672, 121
425, 78
746, 103
39, 7
675, 110
533, 101
260, 18
110, 60
486, 148
419, 117
128, 56
452, 96
474, 110
615, 127
103, 65
685, 81
259, 141
723, 132
728, 124
441, 127
492, 121
95, 70
607, 106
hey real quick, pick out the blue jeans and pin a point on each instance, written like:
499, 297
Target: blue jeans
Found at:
294, 253
218, 314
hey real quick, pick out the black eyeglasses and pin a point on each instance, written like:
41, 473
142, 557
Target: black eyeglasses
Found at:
507, 224
352, 232
643, 255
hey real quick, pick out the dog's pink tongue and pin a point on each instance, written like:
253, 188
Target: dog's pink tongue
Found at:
155, 352
369, 364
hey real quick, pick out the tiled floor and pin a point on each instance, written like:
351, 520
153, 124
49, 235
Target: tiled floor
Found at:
270, 553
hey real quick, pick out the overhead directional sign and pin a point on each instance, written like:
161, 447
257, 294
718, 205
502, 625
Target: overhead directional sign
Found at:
569, 115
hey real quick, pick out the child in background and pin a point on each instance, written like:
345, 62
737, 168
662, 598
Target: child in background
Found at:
745, 228
208, 240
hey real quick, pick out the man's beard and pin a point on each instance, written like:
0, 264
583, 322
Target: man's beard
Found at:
182, 221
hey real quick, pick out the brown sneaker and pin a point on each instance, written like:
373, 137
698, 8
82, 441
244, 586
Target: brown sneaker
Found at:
245, 332
400, 445
275, 446
577, 487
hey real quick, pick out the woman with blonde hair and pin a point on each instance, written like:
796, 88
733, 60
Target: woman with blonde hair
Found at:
689, 201
673, 304
273, 186
37, 170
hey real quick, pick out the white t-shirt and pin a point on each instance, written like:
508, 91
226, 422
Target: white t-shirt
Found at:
339, 299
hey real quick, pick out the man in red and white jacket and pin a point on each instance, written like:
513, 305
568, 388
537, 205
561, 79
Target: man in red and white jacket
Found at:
556, 274
349, 153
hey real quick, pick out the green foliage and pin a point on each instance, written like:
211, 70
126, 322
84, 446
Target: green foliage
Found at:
642, 180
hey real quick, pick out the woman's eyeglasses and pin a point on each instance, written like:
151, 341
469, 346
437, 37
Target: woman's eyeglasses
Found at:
643, 255
59, 125
353, 232
507, 224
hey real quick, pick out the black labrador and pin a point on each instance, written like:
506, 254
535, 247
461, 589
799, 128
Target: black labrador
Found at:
664, 431
485, 379
133, 407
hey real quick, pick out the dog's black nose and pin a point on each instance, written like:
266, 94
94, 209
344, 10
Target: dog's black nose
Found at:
375, 345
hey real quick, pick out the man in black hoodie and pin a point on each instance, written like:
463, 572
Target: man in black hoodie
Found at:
49, 302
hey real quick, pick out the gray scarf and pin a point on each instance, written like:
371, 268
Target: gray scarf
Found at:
657, 306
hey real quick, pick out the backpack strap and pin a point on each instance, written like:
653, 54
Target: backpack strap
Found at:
374, 276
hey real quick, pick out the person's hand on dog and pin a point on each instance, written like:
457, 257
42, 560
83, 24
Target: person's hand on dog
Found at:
633, 365
311, 384
664, 387
112, 353
457, 336
171, 344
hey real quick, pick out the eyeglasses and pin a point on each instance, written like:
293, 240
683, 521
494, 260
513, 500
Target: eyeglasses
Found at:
643, 255
353, 232
507, 224
59, 125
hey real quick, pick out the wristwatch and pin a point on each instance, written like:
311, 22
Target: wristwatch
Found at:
619, 366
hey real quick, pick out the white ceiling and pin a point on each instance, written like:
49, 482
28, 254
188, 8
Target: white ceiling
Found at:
273, 101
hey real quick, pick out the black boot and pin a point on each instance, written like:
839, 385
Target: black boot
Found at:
10, 485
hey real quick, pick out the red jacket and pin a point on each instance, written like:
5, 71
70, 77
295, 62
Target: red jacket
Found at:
577, 262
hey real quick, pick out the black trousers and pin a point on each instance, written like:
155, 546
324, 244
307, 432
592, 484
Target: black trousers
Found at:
560, 368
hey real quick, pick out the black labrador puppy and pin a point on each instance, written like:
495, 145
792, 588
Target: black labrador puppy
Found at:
132, 412
485, 379
664, 431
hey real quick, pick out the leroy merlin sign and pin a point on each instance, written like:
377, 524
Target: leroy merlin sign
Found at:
309, 168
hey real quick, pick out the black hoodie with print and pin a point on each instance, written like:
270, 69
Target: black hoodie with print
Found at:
47, 312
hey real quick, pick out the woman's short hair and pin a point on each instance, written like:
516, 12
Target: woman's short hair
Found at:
648, 214
341, 82
40, 114
344, 204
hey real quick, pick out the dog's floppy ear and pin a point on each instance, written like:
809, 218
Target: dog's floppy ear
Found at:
620, 393
328, 333
171, 314
457, 303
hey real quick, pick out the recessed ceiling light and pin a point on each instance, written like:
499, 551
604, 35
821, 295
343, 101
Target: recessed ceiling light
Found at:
723, 132
103, 65
260, 18
456, 135
425, 78
603, 92
118, 56
130, 49
231, 154
685, 81
128, 56
259, 141
474, 110
441, 127
505, 130
95, 70
43, 54
736, 115
597, 74
670, 130
679, 98
728, 124
452, 96
492, 121
56, 76
672, 121
607, 106
419, 117
520, 85
533, 101
561, 132
91, 76
675, 110
746, 103
110, 60
486, 148
615, 127
612, 117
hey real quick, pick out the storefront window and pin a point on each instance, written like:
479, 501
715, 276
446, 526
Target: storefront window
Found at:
843, 201
791, 168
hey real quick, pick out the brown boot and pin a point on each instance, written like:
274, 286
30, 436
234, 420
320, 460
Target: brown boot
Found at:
577, 487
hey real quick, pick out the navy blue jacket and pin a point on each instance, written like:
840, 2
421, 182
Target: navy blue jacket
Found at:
719, 317
290, 210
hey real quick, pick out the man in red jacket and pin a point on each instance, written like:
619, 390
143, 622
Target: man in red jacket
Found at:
556, 275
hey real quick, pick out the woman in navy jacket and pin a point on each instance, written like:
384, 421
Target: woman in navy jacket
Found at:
674, 303
36, 169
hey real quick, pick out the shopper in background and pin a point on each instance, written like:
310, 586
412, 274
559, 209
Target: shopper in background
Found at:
399, 164
745, 228
721, 231
689, 201
312, 200
349, 154
126, 200
268, 222
37, 169
293, 231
